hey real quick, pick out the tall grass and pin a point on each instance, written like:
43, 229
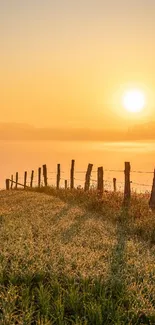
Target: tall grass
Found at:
73, 258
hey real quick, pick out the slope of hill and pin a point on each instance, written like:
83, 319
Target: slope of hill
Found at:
65, 262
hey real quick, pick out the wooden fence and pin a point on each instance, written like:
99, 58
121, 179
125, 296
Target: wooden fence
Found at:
99, 181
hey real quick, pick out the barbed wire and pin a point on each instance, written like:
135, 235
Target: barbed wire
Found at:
141, 172
106, 181
77, 179
108, 170
132, 171
141, 184
95, 171
84, 172
65, 179
113, 170
94, 180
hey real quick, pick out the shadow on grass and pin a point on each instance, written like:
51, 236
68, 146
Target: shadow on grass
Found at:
45, 298
61, 213
111, 205
74, 228
116, 284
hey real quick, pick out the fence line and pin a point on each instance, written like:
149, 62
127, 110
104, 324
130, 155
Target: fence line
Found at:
81, 180
42, 179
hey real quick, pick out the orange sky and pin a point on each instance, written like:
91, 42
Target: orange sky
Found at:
67, 63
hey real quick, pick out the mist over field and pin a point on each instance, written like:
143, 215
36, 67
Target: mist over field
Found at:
29, 155
22, 131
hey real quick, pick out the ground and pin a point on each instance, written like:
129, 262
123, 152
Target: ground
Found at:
100, 259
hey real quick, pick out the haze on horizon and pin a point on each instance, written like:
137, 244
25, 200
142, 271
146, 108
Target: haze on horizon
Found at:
65, 64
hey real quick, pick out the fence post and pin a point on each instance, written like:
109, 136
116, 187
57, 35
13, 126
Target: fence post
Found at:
45, 174
127, 189
32, 175
65, 184
16, 180
87, 178
152, 197
25, 179
39, 176
58, 176
114, 184
72, 174
7, 181
100, 180
11, 182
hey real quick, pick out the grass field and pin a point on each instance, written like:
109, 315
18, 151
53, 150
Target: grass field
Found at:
72, 258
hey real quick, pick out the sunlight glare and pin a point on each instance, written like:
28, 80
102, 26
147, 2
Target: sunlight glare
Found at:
134, 101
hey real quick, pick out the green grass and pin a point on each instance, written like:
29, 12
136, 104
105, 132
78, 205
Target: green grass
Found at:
73, 258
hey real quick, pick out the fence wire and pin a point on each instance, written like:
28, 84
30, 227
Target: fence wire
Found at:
107, 182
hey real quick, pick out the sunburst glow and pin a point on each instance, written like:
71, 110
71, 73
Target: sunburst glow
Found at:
134, 100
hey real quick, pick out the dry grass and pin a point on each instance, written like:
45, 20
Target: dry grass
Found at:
72, 258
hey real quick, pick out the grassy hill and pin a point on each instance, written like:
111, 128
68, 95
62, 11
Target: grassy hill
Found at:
72, 258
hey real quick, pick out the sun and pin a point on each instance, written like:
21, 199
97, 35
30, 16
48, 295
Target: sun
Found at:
134, 100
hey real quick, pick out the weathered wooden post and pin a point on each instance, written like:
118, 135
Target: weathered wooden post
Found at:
58, 176
45, 174
7, 182
25, 179
16, 184
152, 197
127, 189
100, 182
11, 182
32, 176
114, 184
72, 174
39, 176
65, 184
87, 178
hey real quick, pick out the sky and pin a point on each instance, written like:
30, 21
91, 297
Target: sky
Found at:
67, 63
